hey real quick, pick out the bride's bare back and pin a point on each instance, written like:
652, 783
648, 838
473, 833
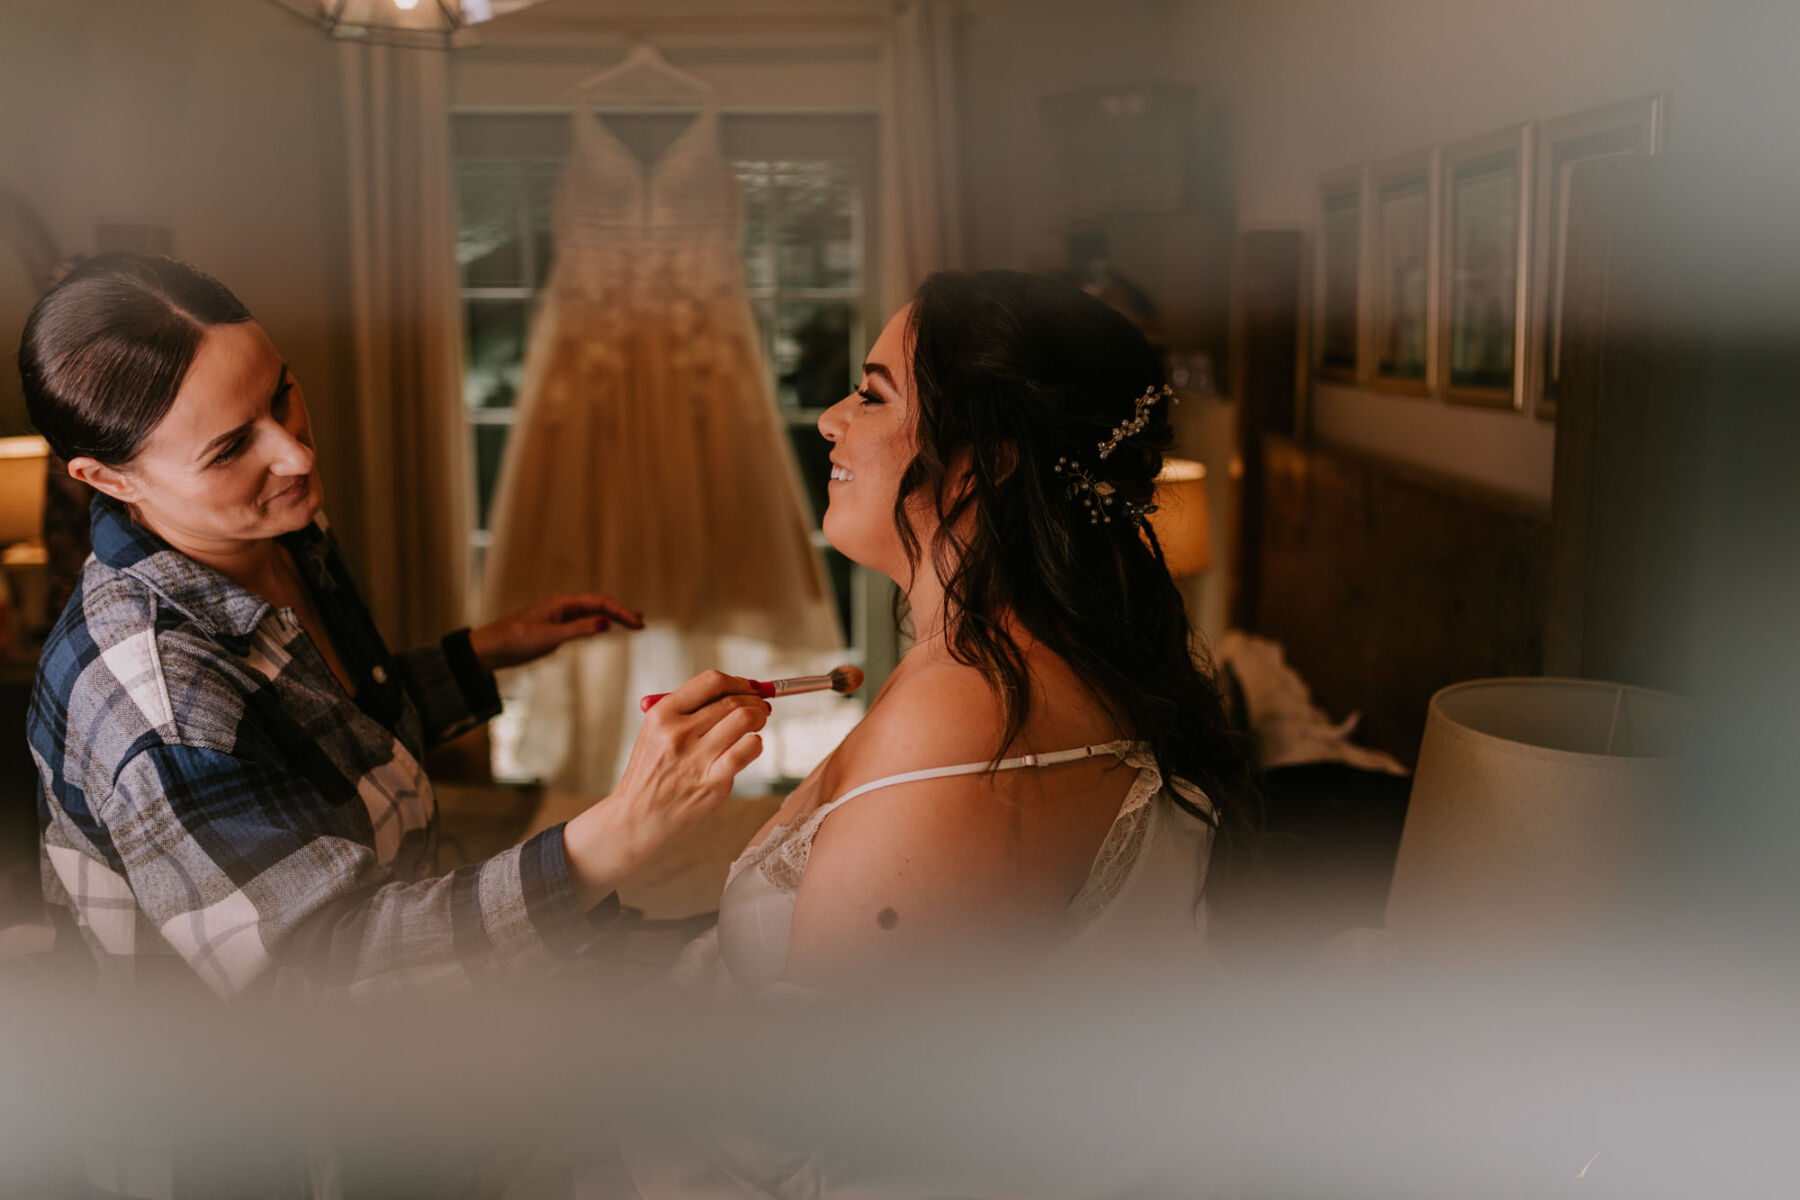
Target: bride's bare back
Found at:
928, 868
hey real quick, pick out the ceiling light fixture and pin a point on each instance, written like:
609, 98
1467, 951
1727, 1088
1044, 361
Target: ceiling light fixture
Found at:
423, 24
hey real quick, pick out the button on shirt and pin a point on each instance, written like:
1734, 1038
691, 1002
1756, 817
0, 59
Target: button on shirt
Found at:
214, 803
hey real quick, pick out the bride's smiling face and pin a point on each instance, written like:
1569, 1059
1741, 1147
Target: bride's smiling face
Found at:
873, 432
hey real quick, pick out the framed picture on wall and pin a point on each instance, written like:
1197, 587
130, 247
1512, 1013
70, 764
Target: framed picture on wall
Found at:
1485, 276
1563, 146
1404, 259
1339, 334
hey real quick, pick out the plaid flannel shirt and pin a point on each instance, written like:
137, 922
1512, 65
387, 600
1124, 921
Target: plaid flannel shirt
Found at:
214, 803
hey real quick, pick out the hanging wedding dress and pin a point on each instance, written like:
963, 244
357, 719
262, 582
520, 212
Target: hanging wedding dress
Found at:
650, 462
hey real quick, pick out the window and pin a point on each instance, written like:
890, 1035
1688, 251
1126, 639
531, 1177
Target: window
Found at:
1339, 334
808, 185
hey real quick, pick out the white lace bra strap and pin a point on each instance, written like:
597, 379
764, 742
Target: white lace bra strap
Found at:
1117, 749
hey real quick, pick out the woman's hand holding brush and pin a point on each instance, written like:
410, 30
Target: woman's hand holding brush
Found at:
842, 680
681, 769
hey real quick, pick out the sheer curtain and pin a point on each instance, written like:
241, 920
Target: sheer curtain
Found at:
920, 151
414, 455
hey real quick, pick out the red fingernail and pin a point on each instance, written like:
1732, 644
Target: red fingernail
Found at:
767, 707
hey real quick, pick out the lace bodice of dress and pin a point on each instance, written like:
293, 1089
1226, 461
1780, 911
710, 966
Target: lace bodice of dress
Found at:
609, 189
650, 246
657, 238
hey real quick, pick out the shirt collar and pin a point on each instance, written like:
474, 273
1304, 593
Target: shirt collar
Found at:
225, 609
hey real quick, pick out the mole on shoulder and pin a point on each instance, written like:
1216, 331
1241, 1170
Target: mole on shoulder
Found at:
887, 918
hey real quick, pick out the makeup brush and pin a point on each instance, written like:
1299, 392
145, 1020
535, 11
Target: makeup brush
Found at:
842, 680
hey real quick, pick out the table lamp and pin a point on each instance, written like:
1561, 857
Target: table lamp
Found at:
23, 462
1534, 812
1181, 522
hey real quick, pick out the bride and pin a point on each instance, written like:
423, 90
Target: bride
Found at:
1049, 756
1043, 777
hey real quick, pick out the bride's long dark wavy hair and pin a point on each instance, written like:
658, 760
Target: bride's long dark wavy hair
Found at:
1018, 371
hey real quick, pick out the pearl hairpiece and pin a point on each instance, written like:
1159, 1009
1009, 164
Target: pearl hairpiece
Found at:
1098, 496
1140, 417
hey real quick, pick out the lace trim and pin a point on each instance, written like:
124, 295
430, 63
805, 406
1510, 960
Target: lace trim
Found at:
1120, 849
786, 862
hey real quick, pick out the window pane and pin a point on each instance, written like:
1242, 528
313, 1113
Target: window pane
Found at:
812, 352
765, 328
1405, 217
1483, 271
490, 445
1343, 215
540, 181
840, 573
815, 207
495, 332
487, 242
753, 185
812, 453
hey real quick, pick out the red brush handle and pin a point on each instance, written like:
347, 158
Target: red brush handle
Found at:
765, 690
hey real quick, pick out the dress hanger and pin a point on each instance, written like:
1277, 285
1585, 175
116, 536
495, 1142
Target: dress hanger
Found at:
645, 77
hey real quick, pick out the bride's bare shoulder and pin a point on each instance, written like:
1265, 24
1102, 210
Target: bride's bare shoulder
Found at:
929, 864
934, 714
952, 711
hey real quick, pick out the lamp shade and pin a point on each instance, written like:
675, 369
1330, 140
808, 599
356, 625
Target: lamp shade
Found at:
1182, 524
1534, 811
23, 461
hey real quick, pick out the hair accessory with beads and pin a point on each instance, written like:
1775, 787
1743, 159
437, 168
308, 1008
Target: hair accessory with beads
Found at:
1098, 496
1140, 417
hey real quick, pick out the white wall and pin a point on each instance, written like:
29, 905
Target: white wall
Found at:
218, 119
1314, 85
1015, 53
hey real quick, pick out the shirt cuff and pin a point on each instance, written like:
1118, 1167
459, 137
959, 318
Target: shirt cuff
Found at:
550, 896
476, 684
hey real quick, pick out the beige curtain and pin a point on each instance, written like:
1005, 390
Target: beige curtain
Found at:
921, 213
414, 453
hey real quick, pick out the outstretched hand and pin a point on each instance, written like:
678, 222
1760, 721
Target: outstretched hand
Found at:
536, 630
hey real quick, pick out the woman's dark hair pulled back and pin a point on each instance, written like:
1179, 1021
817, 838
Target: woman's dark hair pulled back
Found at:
106, 349
1019, 371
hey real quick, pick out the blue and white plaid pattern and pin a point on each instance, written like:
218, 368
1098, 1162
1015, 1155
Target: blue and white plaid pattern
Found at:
214, 803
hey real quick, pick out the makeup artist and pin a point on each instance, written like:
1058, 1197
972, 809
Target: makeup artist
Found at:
229, 753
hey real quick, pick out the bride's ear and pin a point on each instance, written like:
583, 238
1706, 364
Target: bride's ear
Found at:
1006, 461
961, 476
1003, 460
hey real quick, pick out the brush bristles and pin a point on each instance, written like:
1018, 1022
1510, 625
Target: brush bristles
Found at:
845, 680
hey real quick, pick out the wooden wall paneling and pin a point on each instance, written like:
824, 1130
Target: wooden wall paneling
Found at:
1385, 583
1268, 378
